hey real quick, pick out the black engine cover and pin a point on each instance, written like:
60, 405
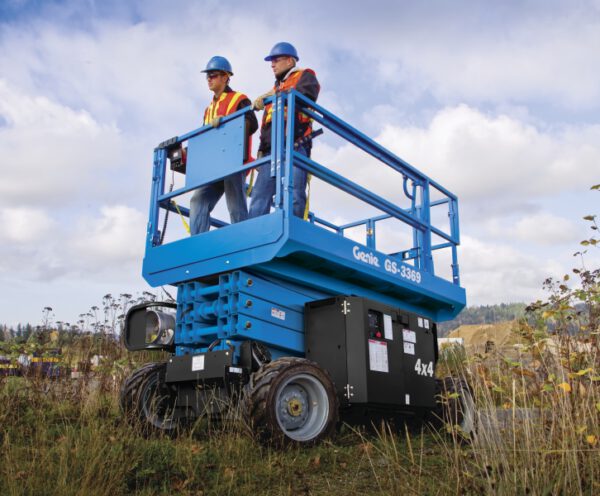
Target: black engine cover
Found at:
377, 355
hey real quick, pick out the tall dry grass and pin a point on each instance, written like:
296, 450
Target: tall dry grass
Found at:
69, 438
538, 418
538, 425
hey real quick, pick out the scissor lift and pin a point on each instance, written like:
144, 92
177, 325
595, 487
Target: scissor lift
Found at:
259, 302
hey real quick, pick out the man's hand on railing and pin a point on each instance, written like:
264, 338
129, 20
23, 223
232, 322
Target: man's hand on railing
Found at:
259, 103
216, 121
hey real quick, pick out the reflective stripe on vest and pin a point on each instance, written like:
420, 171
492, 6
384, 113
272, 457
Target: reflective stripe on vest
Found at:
286, 85
225, 105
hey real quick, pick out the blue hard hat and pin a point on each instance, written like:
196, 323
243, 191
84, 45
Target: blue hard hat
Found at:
282, 49
218, 63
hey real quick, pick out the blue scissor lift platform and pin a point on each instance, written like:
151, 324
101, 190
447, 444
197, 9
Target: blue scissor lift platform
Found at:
251, 281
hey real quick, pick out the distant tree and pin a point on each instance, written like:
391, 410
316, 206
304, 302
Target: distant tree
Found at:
27, 331
485, 314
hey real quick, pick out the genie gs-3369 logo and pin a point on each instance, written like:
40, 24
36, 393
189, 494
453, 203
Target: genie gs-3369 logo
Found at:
391, 266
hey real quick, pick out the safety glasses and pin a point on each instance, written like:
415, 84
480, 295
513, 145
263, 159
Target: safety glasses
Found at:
212, 75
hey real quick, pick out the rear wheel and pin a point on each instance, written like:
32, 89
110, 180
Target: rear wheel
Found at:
130, 387
291, 400
150, 402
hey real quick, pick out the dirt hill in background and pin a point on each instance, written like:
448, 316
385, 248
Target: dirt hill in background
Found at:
477, 335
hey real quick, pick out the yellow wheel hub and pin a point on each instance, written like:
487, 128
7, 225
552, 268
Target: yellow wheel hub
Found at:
294, 407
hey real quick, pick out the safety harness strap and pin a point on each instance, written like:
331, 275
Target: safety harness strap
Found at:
185, 224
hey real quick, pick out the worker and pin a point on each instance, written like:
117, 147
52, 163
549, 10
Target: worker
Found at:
288, 75
225, 102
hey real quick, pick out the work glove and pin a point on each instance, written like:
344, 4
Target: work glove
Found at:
259, 103
216, 121
259, 154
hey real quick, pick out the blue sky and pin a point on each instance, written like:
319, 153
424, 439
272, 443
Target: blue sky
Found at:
498, 101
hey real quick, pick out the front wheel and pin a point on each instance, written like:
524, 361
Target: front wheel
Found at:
291, 400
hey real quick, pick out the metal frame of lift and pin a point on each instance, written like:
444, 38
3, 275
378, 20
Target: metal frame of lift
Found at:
289, 260
293, 311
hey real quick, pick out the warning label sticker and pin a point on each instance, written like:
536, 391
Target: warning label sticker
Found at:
409, 336
409, 348
278, 314
378, 356
197, 363
387, 327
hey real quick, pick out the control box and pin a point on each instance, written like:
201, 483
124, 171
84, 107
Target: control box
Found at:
377, 355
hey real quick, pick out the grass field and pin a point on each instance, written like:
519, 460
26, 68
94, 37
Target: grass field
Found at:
68, 437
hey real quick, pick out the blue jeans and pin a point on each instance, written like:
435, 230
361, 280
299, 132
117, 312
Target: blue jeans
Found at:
264, 189
206, 197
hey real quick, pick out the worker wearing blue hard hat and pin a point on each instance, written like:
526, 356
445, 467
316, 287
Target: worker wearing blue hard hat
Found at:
225, 101
282, 49
218, 64
283, 58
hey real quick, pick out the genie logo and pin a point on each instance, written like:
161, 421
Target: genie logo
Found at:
399, 269
365, 257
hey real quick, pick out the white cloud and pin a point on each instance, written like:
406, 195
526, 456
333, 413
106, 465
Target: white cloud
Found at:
491, 69
533, 53
24, 225
494, 272
40, 248
72, 265
463, 52
145, 74
540, 229
494, 164
52, 154
116, 237
498, 158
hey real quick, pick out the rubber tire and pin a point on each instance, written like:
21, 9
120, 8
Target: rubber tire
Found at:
137, 396
153, 388
459, 411
260, 394
130, 387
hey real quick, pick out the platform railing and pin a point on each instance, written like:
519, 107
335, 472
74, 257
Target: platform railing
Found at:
159, 199
416, 186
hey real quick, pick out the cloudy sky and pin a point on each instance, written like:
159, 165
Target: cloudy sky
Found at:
497, 101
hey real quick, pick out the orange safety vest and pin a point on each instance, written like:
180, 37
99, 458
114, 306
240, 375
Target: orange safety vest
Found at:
287, 84
226, 105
